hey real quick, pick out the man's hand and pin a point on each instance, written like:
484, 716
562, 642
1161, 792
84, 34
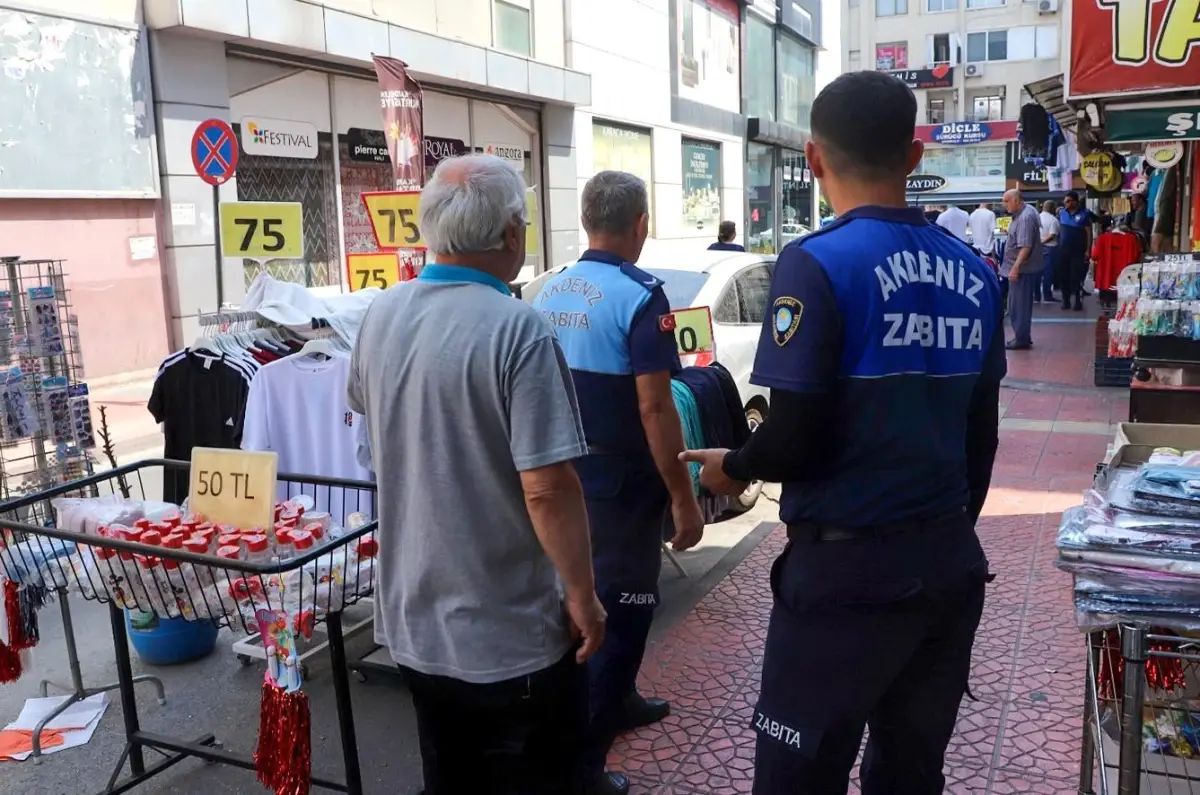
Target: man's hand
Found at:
587, 618
1014, 273
712, 471
689, 522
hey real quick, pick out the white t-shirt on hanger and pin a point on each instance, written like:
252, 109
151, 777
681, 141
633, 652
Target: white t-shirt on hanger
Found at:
297, 408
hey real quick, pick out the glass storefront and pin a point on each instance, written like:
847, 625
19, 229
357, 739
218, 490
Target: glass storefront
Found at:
620, 147
758, 92
796, 197
329, 182
797, 81
760, 198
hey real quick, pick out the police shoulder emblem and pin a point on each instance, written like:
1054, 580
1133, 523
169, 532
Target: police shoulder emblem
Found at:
787, 318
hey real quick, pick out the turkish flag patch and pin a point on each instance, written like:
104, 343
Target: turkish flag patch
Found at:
666, 322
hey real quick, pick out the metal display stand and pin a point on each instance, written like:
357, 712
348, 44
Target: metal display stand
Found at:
122, 590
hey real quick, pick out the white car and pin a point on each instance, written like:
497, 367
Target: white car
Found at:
736, 287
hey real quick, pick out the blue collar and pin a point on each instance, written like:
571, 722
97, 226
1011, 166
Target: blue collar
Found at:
596, 255
898, 215
460, 274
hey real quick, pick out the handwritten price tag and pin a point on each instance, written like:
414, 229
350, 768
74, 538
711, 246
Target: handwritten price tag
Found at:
693, 329
234, 487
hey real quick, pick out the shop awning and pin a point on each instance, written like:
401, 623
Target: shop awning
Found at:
1048, 93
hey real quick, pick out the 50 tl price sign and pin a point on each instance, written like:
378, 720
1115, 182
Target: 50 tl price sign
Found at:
693, 329
262, 230
234, 487
393, 215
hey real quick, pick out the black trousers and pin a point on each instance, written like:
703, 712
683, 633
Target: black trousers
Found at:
523, 736
864, 636
1072, 267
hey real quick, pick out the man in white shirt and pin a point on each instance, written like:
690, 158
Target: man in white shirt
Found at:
1050, 233
954, 220
983, 229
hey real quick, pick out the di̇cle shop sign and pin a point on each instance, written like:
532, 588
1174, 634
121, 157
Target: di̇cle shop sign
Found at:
962, 134
1138, 46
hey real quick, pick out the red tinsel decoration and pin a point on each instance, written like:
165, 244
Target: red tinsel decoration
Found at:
283, 759
12, 614
1162, 673
10, 664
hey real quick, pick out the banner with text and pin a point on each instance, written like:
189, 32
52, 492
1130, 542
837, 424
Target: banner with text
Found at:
1137, 46
401, 100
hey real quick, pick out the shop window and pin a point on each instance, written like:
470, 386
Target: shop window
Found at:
987, 108
618, 147
891, 8
796, 195
974, 4
934, 6
991, 45
512, 28
797, 81
941, 49
893, 55
936, 112
760, 195
758, 95
701, 187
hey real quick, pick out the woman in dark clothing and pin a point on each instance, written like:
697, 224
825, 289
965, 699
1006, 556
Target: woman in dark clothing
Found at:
726, 232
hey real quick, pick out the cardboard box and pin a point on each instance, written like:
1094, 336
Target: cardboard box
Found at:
1135, 441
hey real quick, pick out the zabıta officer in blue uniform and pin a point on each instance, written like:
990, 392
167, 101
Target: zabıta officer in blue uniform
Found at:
884, 352
613, 326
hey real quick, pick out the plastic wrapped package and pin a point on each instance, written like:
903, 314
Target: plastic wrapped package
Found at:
87, 514
39, 561
1167, 490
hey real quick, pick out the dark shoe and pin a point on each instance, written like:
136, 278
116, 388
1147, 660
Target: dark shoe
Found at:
1078, 306
1013, 345
608, 784
1066, 304
642, 711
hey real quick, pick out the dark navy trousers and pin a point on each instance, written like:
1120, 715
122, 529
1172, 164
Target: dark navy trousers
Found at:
871, 634
627, 532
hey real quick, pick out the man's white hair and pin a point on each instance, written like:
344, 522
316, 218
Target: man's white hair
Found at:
469, 203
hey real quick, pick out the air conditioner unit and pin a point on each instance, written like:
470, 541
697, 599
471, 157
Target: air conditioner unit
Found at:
974, 70
1047, 6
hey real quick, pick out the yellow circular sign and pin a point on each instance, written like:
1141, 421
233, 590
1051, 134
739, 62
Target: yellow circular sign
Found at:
1100, 173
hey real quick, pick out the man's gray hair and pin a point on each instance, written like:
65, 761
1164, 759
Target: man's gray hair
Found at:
469, 203
613, 201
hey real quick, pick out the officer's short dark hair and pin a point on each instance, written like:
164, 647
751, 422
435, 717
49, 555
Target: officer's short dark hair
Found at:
613, 201
1072, 195
726, 230
865, 123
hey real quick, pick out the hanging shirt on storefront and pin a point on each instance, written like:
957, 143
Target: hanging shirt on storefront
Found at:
1113, 252
200, 400
297, 408
899, 321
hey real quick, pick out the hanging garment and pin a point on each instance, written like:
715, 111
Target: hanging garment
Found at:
297, 408
200, 400
1113, 252
721, 410
1035, 133
1157, 177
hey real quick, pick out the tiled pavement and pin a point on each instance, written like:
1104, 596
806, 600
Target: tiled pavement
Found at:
1022, 735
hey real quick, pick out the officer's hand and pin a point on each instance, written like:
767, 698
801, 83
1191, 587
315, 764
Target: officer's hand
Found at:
712, 471
587, 618
689, 522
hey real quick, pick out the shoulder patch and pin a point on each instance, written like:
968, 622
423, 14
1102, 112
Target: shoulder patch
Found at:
786, 318
640, 276
667, 322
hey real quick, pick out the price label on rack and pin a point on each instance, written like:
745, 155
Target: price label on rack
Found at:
234, 487
372, 270
393, 217
693, 329
262, 230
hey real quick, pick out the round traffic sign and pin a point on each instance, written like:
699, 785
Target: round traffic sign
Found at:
214, 151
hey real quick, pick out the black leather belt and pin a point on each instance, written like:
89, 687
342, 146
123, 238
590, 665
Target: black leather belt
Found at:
816, 533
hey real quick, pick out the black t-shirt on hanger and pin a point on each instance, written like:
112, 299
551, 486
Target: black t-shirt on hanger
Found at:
201, 402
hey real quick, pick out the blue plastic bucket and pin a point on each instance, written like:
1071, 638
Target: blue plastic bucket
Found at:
169, 641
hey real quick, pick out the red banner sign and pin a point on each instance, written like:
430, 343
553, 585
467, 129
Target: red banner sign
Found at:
401, 100
1133, 45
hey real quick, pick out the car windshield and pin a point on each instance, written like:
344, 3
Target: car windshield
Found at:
681, 287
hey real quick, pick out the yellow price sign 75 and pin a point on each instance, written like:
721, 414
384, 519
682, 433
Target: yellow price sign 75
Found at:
693, 329
393, 215
234, 487
372, 270
262, 230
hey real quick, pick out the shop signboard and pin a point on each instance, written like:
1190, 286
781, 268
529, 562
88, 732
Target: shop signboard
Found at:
1173, 122
366, 146
1132, 46
991, 185
701, 186
962, 133
262, 230
937, 77
709, 53
1015, 168
438, 149
1164, 154
402, 103
509, 152
279, 138
924, 183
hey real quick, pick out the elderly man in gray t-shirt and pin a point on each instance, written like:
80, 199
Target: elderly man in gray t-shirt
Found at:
1022, 266
485, 569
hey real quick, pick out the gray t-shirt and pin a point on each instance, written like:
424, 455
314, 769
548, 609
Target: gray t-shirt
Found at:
463, 387
1025, 231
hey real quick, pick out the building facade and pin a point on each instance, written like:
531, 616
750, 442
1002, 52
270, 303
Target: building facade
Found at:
968, 62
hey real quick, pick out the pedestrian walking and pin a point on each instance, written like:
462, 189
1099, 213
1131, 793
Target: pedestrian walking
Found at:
1050, 236
473, 427
883, 351
1022, 266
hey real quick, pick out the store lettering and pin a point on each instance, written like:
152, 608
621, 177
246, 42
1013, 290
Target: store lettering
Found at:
1182, 123
213, 483
1133, 33
905, 268
776, 730
577, 320
399, 99
271, 138
929, 331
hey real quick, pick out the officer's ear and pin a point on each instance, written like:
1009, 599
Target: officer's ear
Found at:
815, 159
643, 226
916, 150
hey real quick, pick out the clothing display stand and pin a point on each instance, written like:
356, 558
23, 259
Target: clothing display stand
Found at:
1166, 382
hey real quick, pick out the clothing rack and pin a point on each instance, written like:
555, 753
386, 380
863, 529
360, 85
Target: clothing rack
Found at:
224, 320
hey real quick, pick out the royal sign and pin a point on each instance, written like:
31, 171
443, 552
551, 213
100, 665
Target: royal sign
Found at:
1141, 46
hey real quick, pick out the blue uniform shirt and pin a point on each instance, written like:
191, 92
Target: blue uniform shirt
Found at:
1073, 228
898, 319
610, 320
